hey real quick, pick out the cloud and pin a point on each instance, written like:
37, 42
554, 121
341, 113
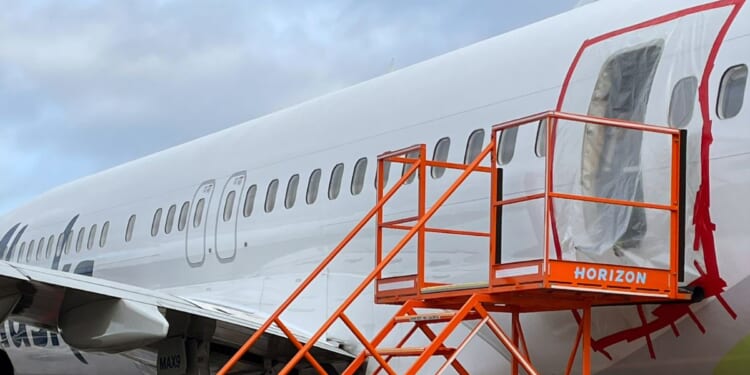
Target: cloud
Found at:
86, 85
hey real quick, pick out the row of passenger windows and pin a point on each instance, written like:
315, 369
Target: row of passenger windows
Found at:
44, 248
729, 103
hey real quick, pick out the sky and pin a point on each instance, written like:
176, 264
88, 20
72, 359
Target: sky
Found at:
86, 85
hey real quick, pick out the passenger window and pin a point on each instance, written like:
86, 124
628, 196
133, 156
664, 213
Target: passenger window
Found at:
103, 236
682, 102
129, 229
386, 172
198, 217
40, 249
291, 191
184, 211
30, 253
250, 200
442, 147
21, 252
273, 188
313, 185
540, 148
732, 91
405, 168
334, 186
69, 241
50, 246
358, 177
81, 236
474, 146
169, 223
156, 223
229, 205
60, 243
507, 145
92, 237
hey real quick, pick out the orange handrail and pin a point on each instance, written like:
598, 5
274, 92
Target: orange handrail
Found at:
314, 274
385, 261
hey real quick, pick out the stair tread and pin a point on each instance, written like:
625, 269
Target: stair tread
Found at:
454, 287
412, 351
438, 317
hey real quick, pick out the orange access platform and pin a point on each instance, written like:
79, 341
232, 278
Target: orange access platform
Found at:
549, 283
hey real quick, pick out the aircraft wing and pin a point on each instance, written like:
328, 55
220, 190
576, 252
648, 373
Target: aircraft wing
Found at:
93, 314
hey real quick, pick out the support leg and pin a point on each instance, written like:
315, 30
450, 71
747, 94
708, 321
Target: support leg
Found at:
514, 332
586, 337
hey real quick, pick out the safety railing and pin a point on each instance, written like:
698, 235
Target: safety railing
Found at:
552, 269
417, 166
549, 271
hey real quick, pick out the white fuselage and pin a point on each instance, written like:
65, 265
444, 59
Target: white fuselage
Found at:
251, 263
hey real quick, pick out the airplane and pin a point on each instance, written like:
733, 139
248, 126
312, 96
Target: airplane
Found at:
167, 264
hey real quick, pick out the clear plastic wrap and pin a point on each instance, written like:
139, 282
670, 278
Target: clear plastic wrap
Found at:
629, 76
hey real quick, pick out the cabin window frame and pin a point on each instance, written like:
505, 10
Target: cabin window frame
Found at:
334, 183
249, 204
156, 223
271, 195
169, 221
473, 149
725, 93
292, 188
440, 153
313, 186
358, 176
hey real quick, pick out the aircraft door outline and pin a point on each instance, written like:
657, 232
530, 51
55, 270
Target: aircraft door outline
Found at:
225, 230
195, 230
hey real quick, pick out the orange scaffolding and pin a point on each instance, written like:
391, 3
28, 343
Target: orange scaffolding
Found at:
545, 284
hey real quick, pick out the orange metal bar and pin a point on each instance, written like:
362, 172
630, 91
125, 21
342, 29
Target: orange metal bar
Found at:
360, 359
398, 152
421, 236
624, 124
298, 345
380, 182
399, 345
495, 328
461, 346
402, 159
514, 336
548, 222
493, 209
328, 259
572, 358
674, 218
400, 221
522, 121
447, 165
443, 335
587, 120
586, 337
619, 202
442, 230
525, 198
368, 346
431, 336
